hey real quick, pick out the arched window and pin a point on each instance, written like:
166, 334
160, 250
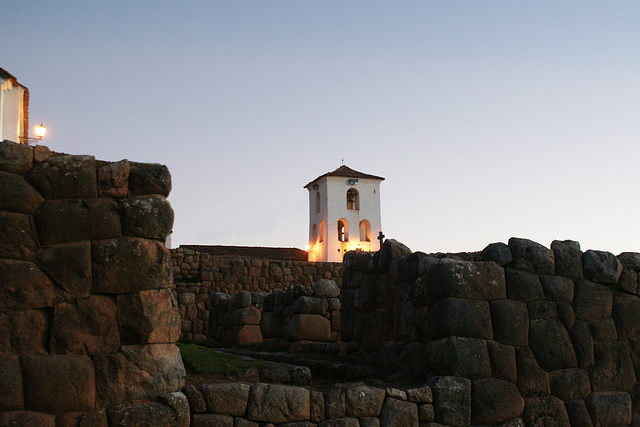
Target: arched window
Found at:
317, 202
365, 231
314, 235
353, 201
343, 230
321, 230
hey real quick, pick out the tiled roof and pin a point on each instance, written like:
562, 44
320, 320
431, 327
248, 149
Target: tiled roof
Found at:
293, 254
347, 172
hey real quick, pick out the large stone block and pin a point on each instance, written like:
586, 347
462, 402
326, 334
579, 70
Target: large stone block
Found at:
310, 327
578, 414
138, 371
510, 322
463, 279
609, 408
24, 286
15, 158
570, 384
494, 401
498, 253
363, 401
18, 237
94, 418
404, 324
27, 418
613, 367
582, 343
67, 221
145, 414
452, 400
69, 266
326, 289
309, 305
557, 288
24, 332
626, 314
503, 361
150, 217
113, 179
592, 301
458, 317
568, 258
17, 195
531, 256
396, 412
246, 316
149, 179
88, 326
459, 356
59, 383
532, 379
148, 317
390, 249
272, 403
551, 345
66, 177
523, 286
545, 411
227, 399
11, 390
129, 265
601, 267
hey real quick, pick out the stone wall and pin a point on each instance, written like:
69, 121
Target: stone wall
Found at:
519, 330
197, 275
302, 313
87, 315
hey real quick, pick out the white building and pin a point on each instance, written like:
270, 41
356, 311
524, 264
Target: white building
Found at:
14, 109
344, 214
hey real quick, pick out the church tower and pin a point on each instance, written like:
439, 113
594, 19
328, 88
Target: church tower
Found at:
344, 214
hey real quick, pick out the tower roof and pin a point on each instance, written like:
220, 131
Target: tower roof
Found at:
346, 172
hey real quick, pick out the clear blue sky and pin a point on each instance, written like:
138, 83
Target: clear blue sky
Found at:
488, 119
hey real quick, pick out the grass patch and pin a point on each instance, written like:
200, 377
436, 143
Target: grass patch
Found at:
203, 360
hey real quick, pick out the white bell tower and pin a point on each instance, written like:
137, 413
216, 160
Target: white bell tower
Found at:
344, 214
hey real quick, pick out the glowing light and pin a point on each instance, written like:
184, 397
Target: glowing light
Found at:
40, 131
306, 248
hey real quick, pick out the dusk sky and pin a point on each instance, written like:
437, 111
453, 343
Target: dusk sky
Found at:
488, 119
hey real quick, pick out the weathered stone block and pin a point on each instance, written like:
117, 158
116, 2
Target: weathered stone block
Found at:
532, 379
414, 358
378, 328
197, 402
531, 256
463, 279
27, 418
510, 322
15, 158
226, 399
94, 418
316, 408
277, 404
148, 317
179, 403
557, 288
17, 195
144, 414
59, 383
542, 310
601, 267
523, 286
609, 408
24, 286
399, 413
113, 179
150, 217
391, 249
24, 332
452, 400
568, 258
603, 330
310, 327
149, 179
212, 420
458, 317
66, 177
582, 343
503, 361
335, 404
628, 281
11, 390
18, 237
542, 411
309, 305
626, 314
592, 301
363, 401
326, 289
459, 356
550, 343
578, 414
129, 265
246, 316
613, 367
498, 253
494, 401
87, 327
570, 384
69, 266
138, 371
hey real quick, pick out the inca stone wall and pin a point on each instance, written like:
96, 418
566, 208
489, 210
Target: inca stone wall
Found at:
197, 275
87, 316
518, 332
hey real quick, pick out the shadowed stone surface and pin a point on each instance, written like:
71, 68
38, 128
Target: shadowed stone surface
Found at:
17, 195
150, 217
592, 301
494, 401
227, 399
364, 401
510, 322
148, 317
545, 411
499, 253
601, 266
149, 179
277, 404
550, 343
568, 258
24, 286
609, 408
66, 177
113, 179
18, 237
11, 390
399, 413
452, 398
68, 265
531, 256
458, 356
458, 317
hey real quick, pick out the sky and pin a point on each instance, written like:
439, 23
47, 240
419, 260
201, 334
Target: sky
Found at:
488, 119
